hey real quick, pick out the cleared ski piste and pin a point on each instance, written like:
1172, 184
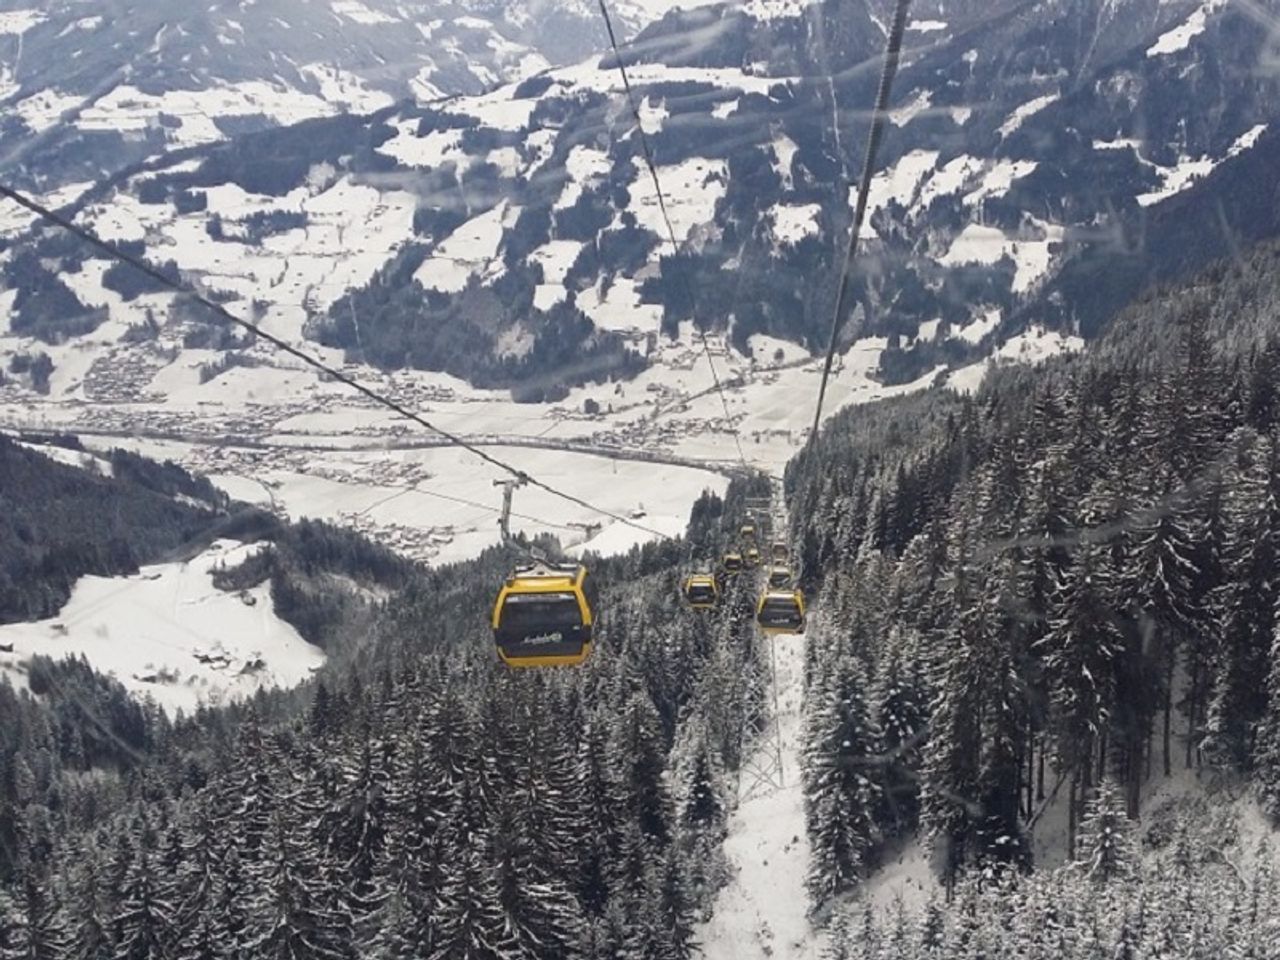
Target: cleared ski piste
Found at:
763, 911
167, 633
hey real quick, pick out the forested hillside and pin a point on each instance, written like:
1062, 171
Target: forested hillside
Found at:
1052, 594
416, 801
53, 528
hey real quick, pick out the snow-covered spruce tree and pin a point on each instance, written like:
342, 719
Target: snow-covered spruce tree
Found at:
603, 815
354, 825
145, 924
663, 927
953, 751
233, 904
701, 823
540, 907
841, 782
470, 922
1004, 717
249, 794
636, 742
86, 907
200, 931
1267, 750
901, 712
292, 920
1080, 651
837, 941
1245, 604
1106, 850
400, 928
11, 924
1163, 579
36, 928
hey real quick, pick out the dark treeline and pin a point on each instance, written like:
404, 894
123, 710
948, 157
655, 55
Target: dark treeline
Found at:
1065, 583
58, 523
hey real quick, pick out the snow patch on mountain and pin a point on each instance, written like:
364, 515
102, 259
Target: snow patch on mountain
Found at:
473, 245
584, 166
499, 108
18, 22
42, 110
1187, 170
595, 74
620, 308
977, 243
791, 223
1177, 178
1019, 116
168, 633
1038, 344
784, 152
79, 459
766, 10
1121, 143
126, 109
1180, 37
900, 184
950, 179
556, 257
904, 114
433, 150
357, 12
15, 219
691, 190
997, 180
986, 323
338, 86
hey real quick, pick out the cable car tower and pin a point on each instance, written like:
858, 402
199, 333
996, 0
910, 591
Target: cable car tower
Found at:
508, 490
762, 770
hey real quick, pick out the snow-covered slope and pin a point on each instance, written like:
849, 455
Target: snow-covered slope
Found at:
496, 210
168, 633
130, 79
512, 239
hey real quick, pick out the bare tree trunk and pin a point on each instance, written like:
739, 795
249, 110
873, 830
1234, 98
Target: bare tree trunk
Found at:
1029, 800
1191, 726
1168, 713
1138, 759
1040, 775
1071, 817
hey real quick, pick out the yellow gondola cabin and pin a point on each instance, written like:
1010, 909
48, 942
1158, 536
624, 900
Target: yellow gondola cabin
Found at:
544, 616
781, 611
701, 592
779, 577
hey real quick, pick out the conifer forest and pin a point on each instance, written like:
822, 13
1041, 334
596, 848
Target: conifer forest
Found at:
640, 480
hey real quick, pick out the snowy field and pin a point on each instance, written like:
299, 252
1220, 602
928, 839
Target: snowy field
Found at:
167, 633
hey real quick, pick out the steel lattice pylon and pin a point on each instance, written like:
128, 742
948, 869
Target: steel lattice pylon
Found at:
763, 770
